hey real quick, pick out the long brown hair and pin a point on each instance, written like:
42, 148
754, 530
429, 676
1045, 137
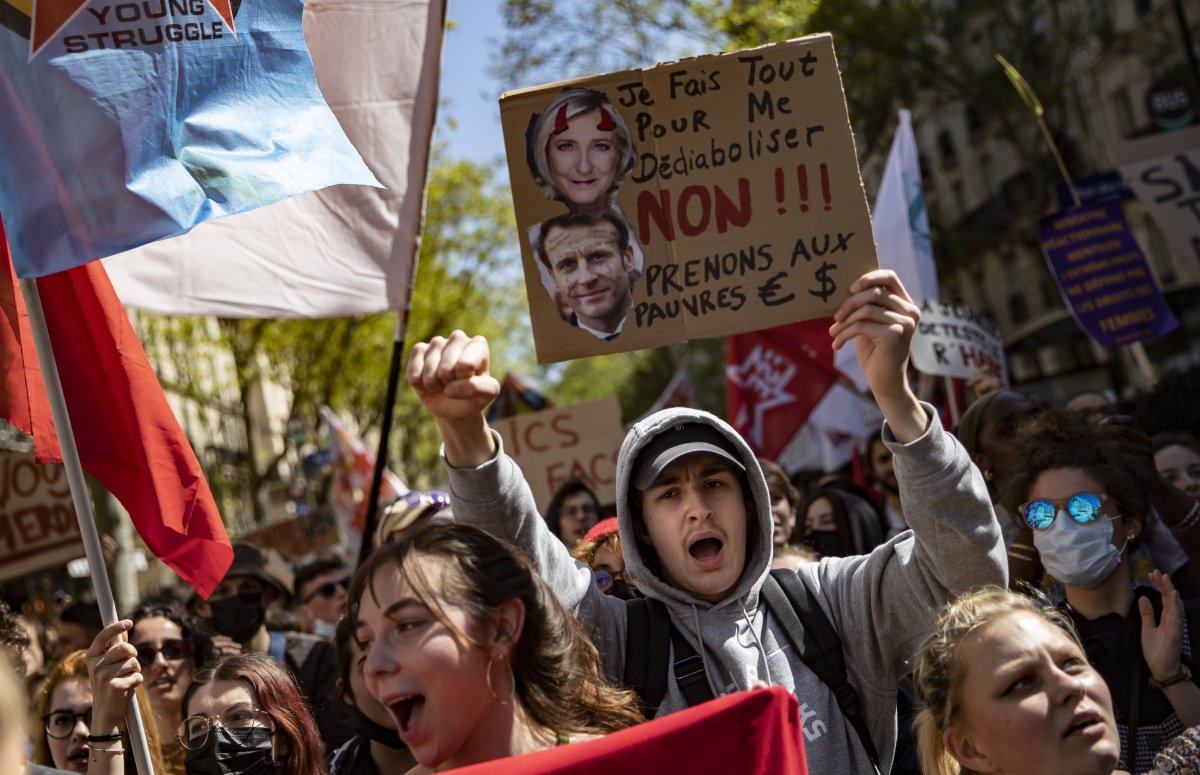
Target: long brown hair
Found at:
556, 667
275, 691
74, 666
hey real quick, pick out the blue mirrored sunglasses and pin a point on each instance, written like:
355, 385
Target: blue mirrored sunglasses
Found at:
1084, 507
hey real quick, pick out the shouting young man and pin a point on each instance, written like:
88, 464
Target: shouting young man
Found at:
696, 527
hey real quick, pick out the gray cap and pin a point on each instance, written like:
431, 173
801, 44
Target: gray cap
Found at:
676, 441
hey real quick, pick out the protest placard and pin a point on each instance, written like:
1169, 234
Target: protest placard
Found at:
705, 197
579, 441
1164, 171
953, 340
37, 520
1103, 275
298, 537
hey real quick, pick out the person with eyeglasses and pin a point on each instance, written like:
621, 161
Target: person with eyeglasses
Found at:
321, 594
72, 734
170, 649
574, 509
1084, 497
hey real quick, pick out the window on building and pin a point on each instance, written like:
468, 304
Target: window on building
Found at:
1159, 252
1018, 309
1126, 118
1049, 293
946, 149
1142, 7
975, 119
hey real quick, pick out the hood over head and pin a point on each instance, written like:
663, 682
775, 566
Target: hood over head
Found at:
660, 439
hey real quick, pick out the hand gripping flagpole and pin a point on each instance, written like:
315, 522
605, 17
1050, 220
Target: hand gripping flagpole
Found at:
83, 504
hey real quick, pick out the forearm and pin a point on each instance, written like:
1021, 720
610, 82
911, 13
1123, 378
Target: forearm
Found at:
467, 441
1024, 563
1185, 701
107, 759
904, 414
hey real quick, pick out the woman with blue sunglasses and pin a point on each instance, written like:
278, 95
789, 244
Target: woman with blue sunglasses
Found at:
1083, 496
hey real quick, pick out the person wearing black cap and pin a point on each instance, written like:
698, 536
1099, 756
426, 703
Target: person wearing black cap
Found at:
237, 610
695, 522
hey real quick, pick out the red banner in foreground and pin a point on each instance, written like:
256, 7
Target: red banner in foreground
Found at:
749, 733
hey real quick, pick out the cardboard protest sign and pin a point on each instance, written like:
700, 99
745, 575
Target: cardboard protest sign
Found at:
953, 340
700, 198
1103, 276
37, 519
579, 441
298, 537
1164, 172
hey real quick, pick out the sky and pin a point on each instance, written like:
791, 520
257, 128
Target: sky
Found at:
470, 96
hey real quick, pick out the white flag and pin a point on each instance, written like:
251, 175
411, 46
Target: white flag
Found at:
346, 250
900, 224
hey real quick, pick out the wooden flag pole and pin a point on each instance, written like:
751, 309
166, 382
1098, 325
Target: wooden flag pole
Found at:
83, 504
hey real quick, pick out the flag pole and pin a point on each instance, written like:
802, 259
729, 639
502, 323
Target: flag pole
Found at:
83, 504
381, 455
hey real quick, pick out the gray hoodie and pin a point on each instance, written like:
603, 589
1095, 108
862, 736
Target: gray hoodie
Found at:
882, 604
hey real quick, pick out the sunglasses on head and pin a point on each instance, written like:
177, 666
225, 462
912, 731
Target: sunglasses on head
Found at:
171, 649
1084, 507
329, 588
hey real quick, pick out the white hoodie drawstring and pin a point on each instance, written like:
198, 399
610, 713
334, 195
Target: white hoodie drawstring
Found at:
761, 649
703, 658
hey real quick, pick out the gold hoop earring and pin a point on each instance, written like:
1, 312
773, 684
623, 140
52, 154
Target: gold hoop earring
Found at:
488, 678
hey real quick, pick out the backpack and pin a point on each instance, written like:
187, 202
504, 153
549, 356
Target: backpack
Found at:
651, 633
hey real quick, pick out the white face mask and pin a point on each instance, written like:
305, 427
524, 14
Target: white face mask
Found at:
1078, 555
324, 629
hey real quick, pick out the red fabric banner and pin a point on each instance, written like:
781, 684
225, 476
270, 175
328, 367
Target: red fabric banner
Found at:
775, 378
748, 733
127, 435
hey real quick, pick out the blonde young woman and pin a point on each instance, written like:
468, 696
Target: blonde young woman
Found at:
1005, 687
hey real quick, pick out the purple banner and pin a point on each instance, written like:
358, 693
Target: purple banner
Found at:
1103, 275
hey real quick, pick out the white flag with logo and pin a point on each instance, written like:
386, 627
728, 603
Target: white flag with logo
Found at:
345, 250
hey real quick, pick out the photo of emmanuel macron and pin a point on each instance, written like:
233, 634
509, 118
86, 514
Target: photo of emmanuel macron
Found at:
590, 263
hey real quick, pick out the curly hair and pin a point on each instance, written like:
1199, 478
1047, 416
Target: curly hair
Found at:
556, 667
576, 102
1055, 438
74, 666
13, 638
194, 631
938, 672
275, 691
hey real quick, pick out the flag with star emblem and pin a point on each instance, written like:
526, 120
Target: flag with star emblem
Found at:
122, 123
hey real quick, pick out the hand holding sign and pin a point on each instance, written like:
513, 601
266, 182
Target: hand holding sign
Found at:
881, 317
450, 375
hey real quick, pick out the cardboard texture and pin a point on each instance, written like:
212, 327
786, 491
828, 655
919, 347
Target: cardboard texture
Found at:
953, 340
37, 519
1164, 171
579, 441
298, 537
735, 175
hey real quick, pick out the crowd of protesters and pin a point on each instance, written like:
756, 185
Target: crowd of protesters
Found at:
1018, 594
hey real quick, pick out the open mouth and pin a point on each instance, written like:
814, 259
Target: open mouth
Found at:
402, 710
706, 548
1082, 722
79, 758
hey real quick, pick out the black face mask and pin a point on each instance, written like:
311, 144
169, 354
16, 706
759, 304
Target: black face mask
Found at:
380, 734
827, 542
238, 616
622, 591
233, 752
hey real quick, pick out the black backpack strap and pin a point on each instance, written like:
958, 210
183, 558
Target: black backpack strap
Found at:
689, 671
817, 643
647, 651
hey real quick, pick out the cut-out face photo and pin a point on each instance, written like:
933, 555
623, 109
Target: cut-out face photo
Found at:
590, 264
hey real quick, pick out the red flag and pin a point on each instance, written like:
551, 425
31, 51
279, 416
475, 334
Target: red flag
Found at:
128, 438
750, 733
775, 379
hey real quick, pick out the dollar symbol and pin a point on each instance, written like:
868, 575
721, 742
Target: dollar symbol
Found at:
828, 286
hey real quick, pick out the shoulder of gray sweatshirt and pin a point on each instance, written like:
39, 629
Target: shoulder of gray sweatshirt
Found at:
882, 604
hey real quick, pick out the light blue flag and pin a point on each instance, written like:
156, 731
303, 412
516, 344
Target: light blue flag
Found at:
122, 123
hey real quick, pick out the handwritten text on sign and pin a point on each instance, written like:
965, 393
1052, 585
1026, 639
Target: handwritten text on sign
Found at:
580, 441
37, 521
734, 175
953, 340
1103, 275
